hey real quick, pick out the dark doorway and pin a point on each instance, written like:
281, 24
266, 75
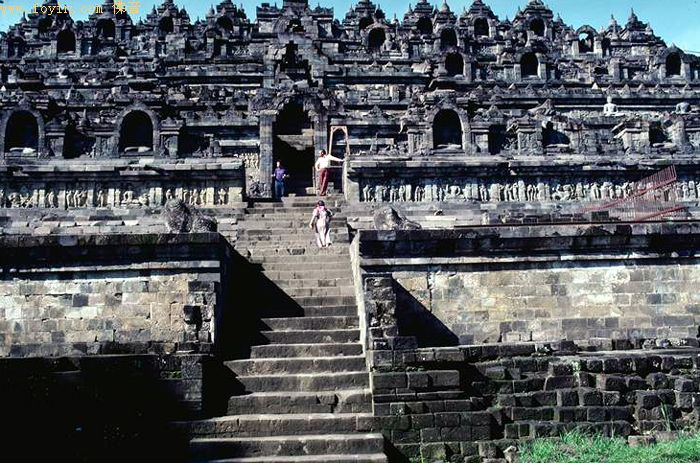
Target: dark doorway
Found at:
447, 130
22, 132
224, 23
481, 28
365, 22
65, 42
454, 64
553, 137
606, 47
165, 26
585, 42
136, 133
425, 26
529, 65
497, 138
293, 146
448, 39
376, 39
537, 26
106, 29
44, 25
673, 65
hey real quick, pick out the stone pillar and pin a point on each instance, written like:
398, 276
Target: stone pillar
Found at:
267, 119
685, 71
517, 73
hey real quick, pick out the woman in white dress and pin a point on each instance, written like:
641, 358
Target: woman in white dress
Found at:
321, 224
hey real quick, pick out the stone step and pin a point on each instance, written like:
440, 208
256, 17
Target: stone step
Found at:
299, 223
286, 446
283, 233
301, 242
302, 259
343, 264
310, 323
280, 275
348, 401
290, 214
305, 350
311, 336
273, 366
281, 311
260, 425
305, 382
340, 249
368, 458
315, 283
322, 291
325, 300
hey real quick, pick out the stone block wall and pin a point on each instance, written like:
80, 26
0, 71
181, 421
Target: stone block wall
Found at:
558, 300
616, 288
101, 294
473, 402
536, 283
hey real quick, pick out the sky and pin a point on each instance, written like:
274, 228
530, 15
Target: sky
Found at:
672, 20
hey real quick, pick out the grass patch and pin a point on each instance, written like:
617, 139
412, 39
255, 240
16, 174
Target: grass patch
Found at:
579, 448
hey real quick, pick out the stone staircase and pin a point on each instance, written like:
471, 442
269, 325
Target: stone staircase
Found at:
307, 396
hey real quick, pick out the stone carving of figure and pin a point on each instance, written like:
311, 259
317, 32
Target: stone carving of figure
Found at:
522, 191
393, 193
365, 194
408, 194
101, 198
418, 196
127, 197
25, 198
483, 193
683, 107
541, 192
692, 193
377, 193
495, 192
507, 192
402, 193
14, 200
610, 108
70, 200
2, 198
454, 192
568, 192
531, 192
143, 199
221, 196
50, 199
595, 192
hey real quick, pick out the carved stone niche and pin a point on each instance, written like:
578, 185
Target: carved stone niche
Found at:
634, 135
529, 137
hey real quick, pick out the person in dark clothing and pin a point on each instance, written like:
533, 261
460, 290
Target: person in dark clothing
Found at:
280, 175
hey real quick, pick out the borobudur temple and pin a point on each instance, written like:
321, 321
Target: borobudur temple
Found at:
507, 250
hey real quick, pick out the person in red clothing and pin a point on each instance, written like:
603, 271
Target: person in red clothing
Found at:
322, 167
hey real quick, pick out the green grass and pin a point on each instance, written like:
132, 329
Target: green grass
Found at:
579, 448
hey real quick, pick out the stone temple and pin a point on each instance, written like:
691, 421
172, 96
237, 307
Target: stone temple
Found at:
516, 242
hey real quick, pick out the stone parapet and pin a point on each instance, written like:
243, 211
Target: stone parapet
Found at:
97, 294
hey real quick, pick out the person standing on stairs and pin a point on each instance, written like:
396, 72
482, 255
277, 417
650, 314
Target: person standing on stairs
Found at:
280, 175
323, 165
321, 224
